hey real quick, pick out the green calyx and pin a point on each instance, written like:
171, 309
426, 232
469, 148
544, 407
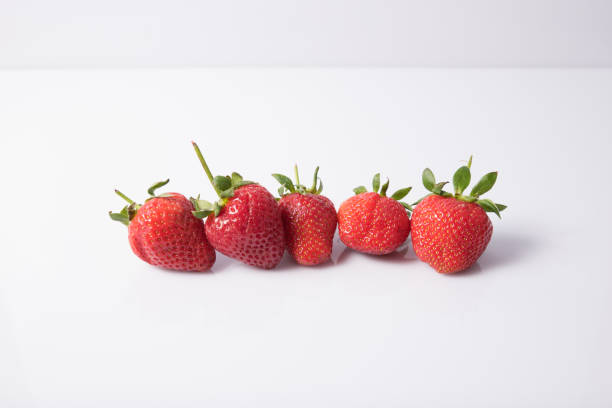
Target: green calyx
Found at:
128, 212
376, 187
461, 180
224, 187
288, 187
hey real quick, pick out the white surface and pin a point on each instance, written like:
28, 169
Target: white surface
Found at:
86, 323
129, 33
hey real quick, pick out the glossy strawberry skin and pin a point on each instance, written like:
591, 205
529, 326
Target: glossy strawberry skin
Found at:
165, 233
449, 234
249, 228
310, 224
371, 223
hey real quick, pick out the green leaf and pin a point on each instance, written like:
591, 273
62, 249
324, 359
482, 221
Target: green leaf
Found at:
406, 206
437, 188
488, 206
201, 214
401, 193
376, 183
157, 185
244, 183
383, 190
484, 184
236, 179
501, 207
467, 199
201, 204
125, 210
359, 190
227, 193
132, 209
216, 208
222, 182
461, 179
203, 208
314, 181
285, 181
281, 191
126, 198
429, 181
122, 216
320, 187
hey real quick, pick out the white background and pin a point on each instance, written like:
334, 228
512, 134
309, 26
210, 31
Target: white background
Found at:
86, 323
128, 33
83, 322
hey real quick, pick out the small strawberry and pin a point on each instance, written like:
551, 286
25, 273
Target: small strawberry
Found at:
374, 223
163, 232
450, 232
245, 223
309, 219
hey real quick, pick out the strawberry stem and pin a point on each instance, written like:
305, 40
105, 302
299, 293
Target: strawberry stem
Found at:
297, 176
126, 198
206, 169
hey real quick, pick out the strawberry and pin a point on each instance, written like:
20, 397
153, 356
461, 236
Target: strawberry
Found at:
309, 219
374, 223
245, 223
163, 232
450, 232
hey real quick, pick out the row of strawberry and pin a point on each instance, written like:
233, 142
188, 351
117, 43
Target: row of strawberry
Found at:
449, 231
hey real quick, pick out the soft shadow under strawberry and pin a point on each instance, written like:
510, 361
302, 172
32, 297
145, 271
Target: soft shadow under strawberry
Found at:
506, 249
403, 254
339, 255
179, 272
472, 270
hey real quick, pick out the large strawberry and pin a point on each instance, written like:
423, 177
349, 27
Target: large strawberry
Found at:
451, 231
373, 223
309, 219
245, 223
164, 232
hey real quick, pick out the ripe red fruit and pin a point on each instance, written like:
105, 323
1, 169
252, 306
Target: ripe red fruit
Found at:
245, 223
163, 232
249, 228
450, 232
374, 223
309, 220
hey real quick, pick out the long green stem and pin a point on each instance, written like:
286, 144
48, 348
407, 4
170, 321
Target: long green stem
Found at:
469, 165
126, 198
205, 166
297, 176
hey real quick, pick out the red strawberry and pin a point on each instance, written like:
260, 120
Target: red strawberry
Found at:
374, 223
245, 223
309, 220
450, 232
163, 232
